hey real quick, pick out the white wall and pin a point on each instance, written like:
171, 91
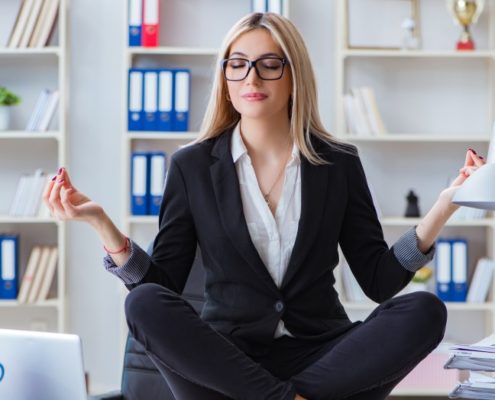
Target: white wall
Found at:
97, 37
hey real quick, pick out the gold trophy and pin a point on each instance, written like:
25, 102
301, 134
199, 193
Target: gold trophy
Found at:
465, 12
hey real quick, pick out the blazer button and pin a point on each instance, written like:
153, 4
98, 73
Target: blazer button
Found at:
279, 306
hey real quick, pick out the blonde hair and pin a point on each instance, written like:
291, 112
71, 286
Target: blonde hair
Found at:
304, 116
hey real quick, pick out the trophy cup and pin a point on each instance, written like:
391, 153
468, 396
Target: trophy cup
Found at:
465, 12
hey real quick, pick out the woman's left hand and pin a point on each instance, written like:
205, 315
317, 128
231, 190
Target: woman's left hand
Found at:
472, 163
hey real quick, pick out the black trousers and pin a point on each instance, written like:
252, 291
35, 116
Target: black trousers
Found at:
365, 363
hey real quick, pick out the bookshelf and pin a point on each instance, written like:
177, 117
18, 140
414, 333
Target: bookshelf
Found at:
194, 46
436, 102
26, 71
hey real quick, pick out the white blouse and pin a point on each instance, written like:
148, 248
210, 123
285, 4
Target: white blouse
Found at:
273, 236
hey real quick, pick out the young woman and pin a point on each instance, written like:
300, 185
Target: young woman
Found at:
268, 195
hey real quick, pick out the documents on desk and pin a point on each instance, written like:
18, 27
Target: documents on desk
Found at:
479, 359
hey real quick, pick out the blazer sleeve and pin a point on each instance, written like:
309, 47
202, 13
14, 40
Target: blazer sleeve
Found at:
373, 263
174, 247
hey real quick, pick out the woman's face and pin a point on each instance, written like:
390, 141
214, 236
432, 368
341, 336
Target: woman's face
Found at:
254, 97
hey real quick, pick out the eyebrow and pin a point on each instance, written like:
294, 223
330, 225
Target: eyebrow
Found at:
238, 53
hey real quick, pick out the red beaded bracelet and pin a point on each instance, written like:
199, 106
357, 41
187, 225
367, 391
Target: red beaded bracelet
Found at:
122, 250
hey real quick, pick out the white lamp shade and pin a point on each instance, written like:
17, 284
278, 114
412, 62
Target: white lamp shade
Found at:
478, 191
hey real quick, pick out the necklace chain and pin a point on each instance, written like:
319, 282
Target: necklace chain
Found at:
266, 196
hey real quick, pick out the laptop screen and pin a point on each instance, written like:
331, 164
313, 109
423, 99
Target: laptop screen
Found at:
41, 366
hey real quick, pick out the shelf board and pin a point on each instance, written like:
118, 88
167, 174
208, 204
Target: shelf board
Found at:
29, 135
400, 137
162, 135
30, 51
421, 392
40, 304
6, 219
482, 54
399, 221
451, 306
185, 51
143, 219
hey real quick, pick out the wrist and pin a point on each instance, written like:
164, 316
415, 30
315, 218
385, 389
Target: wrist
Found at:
99, 220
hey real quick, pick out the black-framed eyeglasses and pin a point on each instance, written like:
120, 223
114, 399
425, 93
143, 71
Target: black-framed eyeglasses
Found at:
267, 68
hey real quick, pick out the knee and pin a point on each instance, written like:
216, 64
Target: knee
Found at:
139, 299
430, 313
145, 300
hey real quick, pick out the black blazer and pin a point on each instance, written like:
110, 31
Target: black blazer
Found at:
202, 206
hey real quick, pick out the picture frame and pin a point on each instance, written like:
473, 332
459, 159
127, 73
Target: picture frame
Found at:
376, 24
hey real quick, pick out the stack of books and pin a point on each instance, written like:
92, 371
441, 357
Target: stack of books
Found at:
28, 23
479, 360
27, 201
362, 115
39, 275
43, 111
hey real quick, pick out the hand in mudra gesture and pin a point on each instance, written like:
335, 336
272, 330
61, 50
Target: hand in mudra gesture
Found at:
472, 162
66, 202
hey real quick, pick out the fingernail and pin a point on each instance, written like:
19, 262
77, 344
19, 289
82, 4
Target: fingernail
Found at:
481, 157
61, 180
60, 170
472, 150
55, 177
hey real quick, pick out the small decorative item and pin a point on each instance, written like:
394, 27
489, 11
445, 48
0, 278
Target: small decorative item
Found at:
420, 280
465, 13
409, 39
7, 99
412, 209
378, 24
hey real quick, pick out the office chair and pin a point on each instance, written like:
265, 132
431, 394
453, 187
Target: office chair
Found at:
140, 379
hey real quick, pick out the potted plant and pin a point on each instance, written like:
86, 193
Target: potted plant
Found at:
420, 279
7, 99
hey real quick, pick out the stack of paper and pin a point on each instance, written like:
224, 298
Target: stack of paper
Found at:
477, 357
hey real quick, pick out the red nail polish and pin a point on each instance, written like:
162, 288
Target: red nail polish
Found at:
481, 157
472, 150
61, 181
60, 170
55, 177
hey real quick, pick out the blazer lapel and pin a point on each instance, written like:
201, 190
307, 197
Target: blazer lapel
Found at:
314, 182
229, 203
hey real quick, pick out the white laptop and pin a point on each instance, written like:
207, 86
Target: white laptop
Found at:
41, 366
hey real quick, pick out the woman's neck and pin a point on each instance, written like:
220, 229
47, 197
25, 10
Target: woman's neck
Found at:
266, 139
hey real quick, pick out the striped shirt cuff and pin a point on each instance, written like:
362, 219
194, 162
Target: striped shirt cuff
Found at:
407, 253
134, 270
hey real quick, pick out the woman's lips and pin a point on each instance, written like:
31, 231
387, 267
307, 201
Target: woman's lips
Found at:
254, 96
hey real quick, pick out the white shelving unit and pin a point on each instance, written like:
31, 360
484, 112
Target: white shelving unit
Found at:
26, 72
436, 102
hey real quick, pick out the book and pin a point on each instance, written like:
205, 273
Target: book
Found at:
9, 267
48, 111
43, 111
27, 278
20, 24
372, 112
37, 110
46, 24
30, 23
481, 281
39, 275
47, 280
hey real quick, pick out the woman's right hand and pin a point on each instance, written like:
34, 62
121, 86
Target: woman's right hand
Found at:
67, 203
